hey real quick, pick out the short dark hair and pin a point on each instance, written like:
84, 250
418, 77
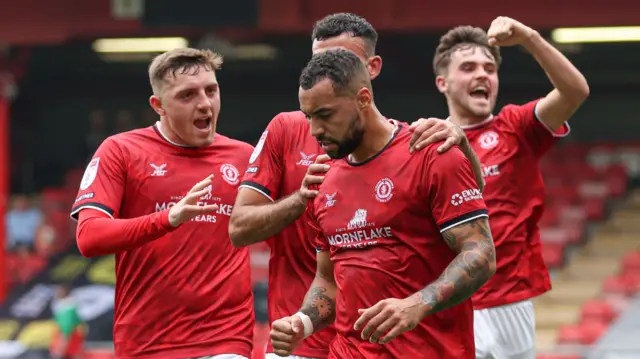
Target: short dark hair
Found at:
346, 23
462, 37
343, 68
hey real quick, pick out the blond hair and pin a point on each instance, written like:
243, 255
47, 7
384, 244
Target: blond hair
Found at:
181, 61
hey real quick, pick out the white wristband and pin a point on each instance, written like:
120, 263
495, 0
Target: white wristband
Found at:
306, 321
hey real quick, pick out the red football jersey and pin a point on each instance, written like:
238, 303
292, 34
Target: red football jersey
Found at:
276, 169
381, 220
509, 146
187, 294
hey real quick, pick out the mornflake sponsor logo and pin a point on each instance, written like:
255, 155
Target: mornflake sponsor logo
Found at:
359, 233
223, 209
490, 171
466, 196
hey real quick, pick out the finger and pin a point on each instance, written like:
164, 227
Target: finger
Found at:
383, 328
492, 41
282, 326
318, 168
366, 315
394, 332
202, 184
322, 158
374, 323
428, 127
283, 352
194, 196
417, 123
308, 193
447, 145
311, 179
281, 337
427, 139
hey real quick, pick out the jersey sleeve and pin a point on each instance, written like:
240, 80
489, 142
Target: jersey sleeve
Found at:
315, 231
266, 168
103, 182
452, 189
531, 130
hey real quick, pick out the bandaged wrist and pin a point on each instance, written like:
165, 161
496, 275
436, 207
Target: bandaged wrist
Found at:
306, 321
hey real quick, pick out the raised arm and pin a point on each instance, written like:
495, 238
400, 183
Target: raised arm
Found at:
470, 270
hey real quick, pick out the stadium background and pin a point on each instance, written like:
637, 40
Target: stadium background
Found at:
61, 92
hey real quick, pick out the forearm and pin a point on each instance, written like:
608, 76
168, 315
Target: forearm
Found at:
320, 303
98, 236
470, 269
564, 76
251, 224
470, 154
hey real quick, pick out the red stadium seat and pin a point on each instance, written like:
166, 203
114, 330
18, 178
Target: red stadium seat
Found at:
553, 254
619, 285
594, 208
570, 334
598, 310
631, 263
592, 331
553, 235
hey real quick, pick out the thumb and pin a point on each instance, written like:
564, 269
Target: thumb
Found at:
296, 324
492, 41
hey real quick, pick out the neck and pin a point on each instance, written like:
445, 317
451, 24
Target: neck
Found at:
377, 133
462, 119
169, 135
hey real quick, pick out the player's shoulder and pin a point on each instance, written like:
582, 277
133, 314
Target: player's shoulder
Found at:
124, 140
288, 122
233, 144
512, 112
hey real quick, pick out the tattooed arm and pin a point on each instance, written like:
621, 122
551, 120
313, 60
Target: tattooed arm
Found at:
320, 302
470, 270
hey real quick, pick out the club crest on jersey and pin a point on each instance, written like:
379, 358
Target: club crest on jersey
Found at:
90, 173
488, 140
230, 174
330, 201
384, 190
258, 149
306, 160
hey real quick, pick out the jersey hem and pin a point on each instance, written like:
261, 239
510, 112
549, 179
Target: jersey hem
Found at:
232, 348
93, 205
508, 299
258, 188
553, 133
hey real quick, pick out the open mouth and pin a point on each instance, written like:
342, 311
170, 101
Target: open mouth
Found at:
480, 92
203, 123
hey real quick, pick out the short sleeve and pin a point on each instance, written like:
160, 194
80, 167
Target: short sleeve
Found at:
315, 231
530, 128
102, 185
453, 192
266, 168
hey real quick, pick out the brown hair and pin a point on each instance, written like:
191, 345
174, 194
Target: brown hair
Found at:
462, 37
183, 60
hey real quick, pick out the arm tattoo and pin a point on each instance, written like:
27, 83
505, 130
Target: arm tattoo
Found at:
470, 269
320, 307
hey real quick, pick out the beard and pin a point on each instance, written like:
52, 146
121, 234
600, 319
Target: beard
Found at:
352, 140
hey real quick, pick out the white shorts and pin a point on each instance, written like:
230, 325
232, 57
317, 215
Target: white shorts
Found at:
224, 356
274, 356
505, 332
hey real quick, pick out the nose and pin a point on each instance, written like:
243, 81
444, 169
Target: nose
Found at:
316, 128
204, 103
